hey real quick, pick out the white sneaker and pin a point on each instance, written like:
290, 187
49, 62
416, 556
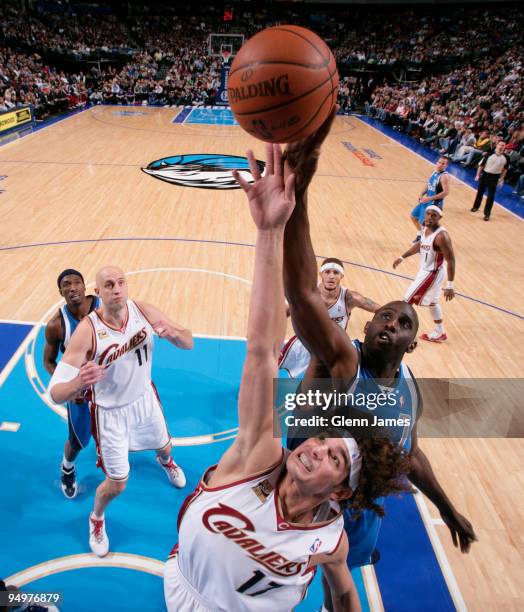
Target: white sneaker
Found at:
434, 336
98, 540
174, 473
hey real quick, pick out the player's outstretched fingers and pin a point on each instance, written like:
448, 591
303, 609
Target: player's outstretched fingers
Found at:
246, 186
253, 166
270, 160
278, 164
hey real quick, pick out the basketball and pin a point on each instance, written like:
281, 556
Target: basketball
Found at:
283, 84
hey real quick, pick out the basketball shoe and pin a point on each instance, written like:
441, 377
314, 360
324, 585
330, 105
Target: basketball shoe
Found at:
174, 472
434, 336
68, 482
98, 540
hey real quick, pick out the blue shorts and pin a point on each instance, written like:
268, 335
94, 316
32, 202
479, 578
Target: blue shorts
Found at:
419, 212
362, 535
79, 424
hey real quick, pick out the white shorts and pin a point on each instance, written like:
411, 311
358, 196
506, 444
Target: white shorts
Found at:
425, 289
135, 427
181, 596
294, 358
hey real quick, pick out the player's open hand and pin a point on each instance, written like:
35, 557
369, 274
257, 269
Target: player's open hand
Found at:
462, 532
90, 373
271, 199
301, 157
449, 294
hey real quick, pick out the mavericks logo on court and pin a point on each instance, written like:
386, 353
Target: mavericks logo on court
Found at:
208, 171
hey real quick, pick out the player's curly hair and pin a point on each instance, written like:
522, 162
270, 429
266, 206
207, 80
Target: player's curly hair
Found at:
385, 466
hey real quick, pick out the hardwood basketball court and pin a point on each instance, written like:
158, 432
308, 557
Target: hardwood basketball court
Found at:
76, 197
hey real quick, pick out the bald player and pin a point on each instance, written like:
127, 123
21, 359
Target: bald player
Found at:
111, 352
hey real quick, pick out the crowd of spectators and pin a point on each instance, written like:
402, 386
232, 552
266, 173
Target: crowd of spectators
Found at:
164, 59
405, 37
25, 79
462, 114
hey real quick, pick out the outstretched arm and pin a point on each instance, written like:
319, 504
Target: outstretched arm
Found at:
413, 249
422, 476
311, 321
165, 328
271, 202
354, 299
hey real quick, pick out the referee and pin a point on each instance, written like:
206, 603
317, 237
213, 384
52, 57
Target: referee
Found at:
491, 172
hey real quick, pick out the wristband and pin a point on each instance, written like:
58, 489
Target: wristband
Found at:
449, 285
401, 258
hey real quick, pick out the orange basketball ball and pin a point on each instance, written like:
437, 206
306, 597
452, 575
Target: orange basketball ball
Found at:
283, 84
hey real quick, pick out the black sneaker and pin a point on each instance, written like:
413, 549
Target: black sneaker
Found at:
68, 482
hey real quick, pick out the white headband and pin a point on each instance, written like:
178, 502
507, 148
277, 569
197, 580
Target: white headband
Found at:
435, 208
331, 265
355, 462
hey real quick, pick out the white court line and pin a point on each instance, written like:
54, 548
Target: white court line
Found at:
9, 426
372, 589
440, 553
74, 562
433, 163
213, 337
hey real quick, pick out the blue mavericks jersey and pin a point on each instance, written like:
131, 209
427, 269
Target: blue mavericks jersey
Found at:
434, 187
363, 532
405, 403
70, 322
78, 416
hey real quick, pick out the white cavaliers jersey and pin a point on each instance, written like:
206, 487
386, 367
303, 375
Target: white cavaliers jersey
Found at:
127, 352
237, 550
338, 311
430, 260
294, 356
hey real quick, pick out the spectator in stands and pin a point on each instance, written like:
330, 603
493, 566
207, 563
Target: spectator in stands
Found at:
481, 144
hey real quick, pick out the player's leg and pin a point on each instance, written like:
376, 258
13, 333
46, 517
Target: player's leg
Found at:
148, 410
431, 298
438, 334
105, 493
78, 422
417, 217
174, 472
111, 433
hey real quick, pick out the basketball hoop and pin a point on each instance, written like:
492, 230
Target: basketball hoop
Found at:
226, 56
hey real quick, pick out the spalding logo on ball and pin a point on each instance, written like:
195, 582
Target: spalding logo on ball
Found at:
283, 84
